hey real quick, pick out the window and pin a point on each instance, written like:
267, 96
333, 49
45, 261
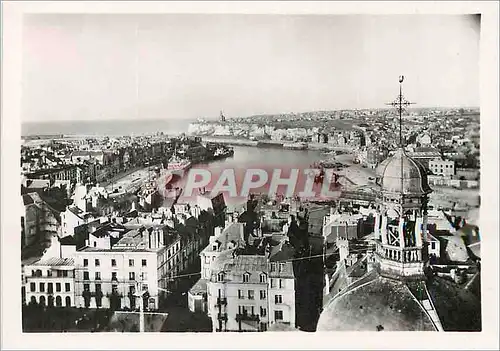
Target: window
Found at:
240, 294
246, 277
58, 287
97, 275
278, 315
278, 298
67, 287
273, 283
207, 259
263, 312
97, 263
282, 283
85, 275
65, 274
113, 263
220, 277
113, 276
263, 278
49, 273
273, 267
242, 310
131, 276
86, 287
262, 294
50, 288
131, 263
433, 245
251, 294
95, 243
42, 287
32, 287
98, 287
144, 263
85, 262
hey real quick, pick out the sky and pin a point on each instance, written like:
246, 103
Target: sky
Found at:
176, 66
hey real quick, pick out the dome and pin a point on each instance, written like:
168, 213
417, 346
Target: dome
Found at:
383, 304
402, 174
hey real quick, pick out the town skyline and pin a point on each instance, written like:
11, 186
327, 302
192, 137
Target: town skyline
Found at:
295, 60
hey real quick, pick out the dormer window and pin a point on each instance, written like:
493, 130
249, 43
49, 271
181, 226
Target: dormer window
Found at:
246, 277
263, 278
220, 277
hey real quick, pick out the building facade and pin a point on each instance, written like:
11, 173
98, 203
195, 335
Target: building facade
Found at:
252, 292
444, 168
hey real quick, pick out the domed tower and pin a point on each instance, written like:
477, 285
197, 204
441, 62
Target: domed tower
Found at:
400, 226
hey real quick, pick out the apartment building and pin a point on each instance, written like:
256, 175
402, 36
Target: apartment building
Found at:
252, 288
444, 168
117, 261
37, 218
49, 281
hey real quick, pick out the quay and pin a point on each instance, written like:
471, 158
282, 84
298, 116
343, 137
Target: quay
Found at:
276, 144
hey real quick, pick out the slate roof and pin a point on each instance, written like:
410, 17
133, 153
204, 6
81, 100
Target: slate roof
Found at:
54, 261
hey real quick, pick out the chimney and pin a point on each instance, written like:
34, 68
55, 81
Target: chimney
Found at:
217, 231
159, 235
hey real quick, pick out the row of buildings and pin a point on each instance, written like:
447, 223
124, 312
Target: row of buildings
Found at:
102, 262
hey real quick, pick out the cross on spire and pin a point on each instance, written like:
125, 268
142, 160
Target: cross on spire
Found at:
400, 104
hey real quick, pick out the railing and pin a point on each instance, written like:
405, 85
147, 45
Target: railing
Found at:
222, 316
221, 301
247, 317
403, 255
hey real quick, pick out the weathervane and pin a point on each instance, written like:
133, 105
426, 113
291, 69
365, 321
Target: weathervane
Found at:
400, 104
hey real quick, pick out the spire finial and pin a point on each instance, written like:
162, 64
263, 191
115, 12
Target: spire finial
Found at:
400, 104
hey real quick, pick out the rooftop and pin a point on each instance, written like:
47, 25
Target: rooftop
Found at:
246, 263
54, 261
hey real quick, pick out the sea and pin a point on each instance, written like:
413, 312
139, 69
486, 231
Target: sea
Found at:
107, 127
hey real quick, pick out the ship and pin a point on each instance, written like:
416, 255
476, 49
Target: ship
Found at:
295, 146
223, 152
177, 163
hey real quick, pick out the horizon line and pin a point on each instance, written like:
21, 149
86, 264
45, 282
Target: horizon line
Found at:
254, 115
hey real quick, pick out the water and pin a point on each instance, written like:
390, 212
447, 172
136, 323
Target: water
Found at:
108, 127
247, 157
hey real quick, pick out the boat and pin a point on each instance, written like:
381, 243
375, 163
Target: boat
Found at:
223, 152
295, 146
177, 163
